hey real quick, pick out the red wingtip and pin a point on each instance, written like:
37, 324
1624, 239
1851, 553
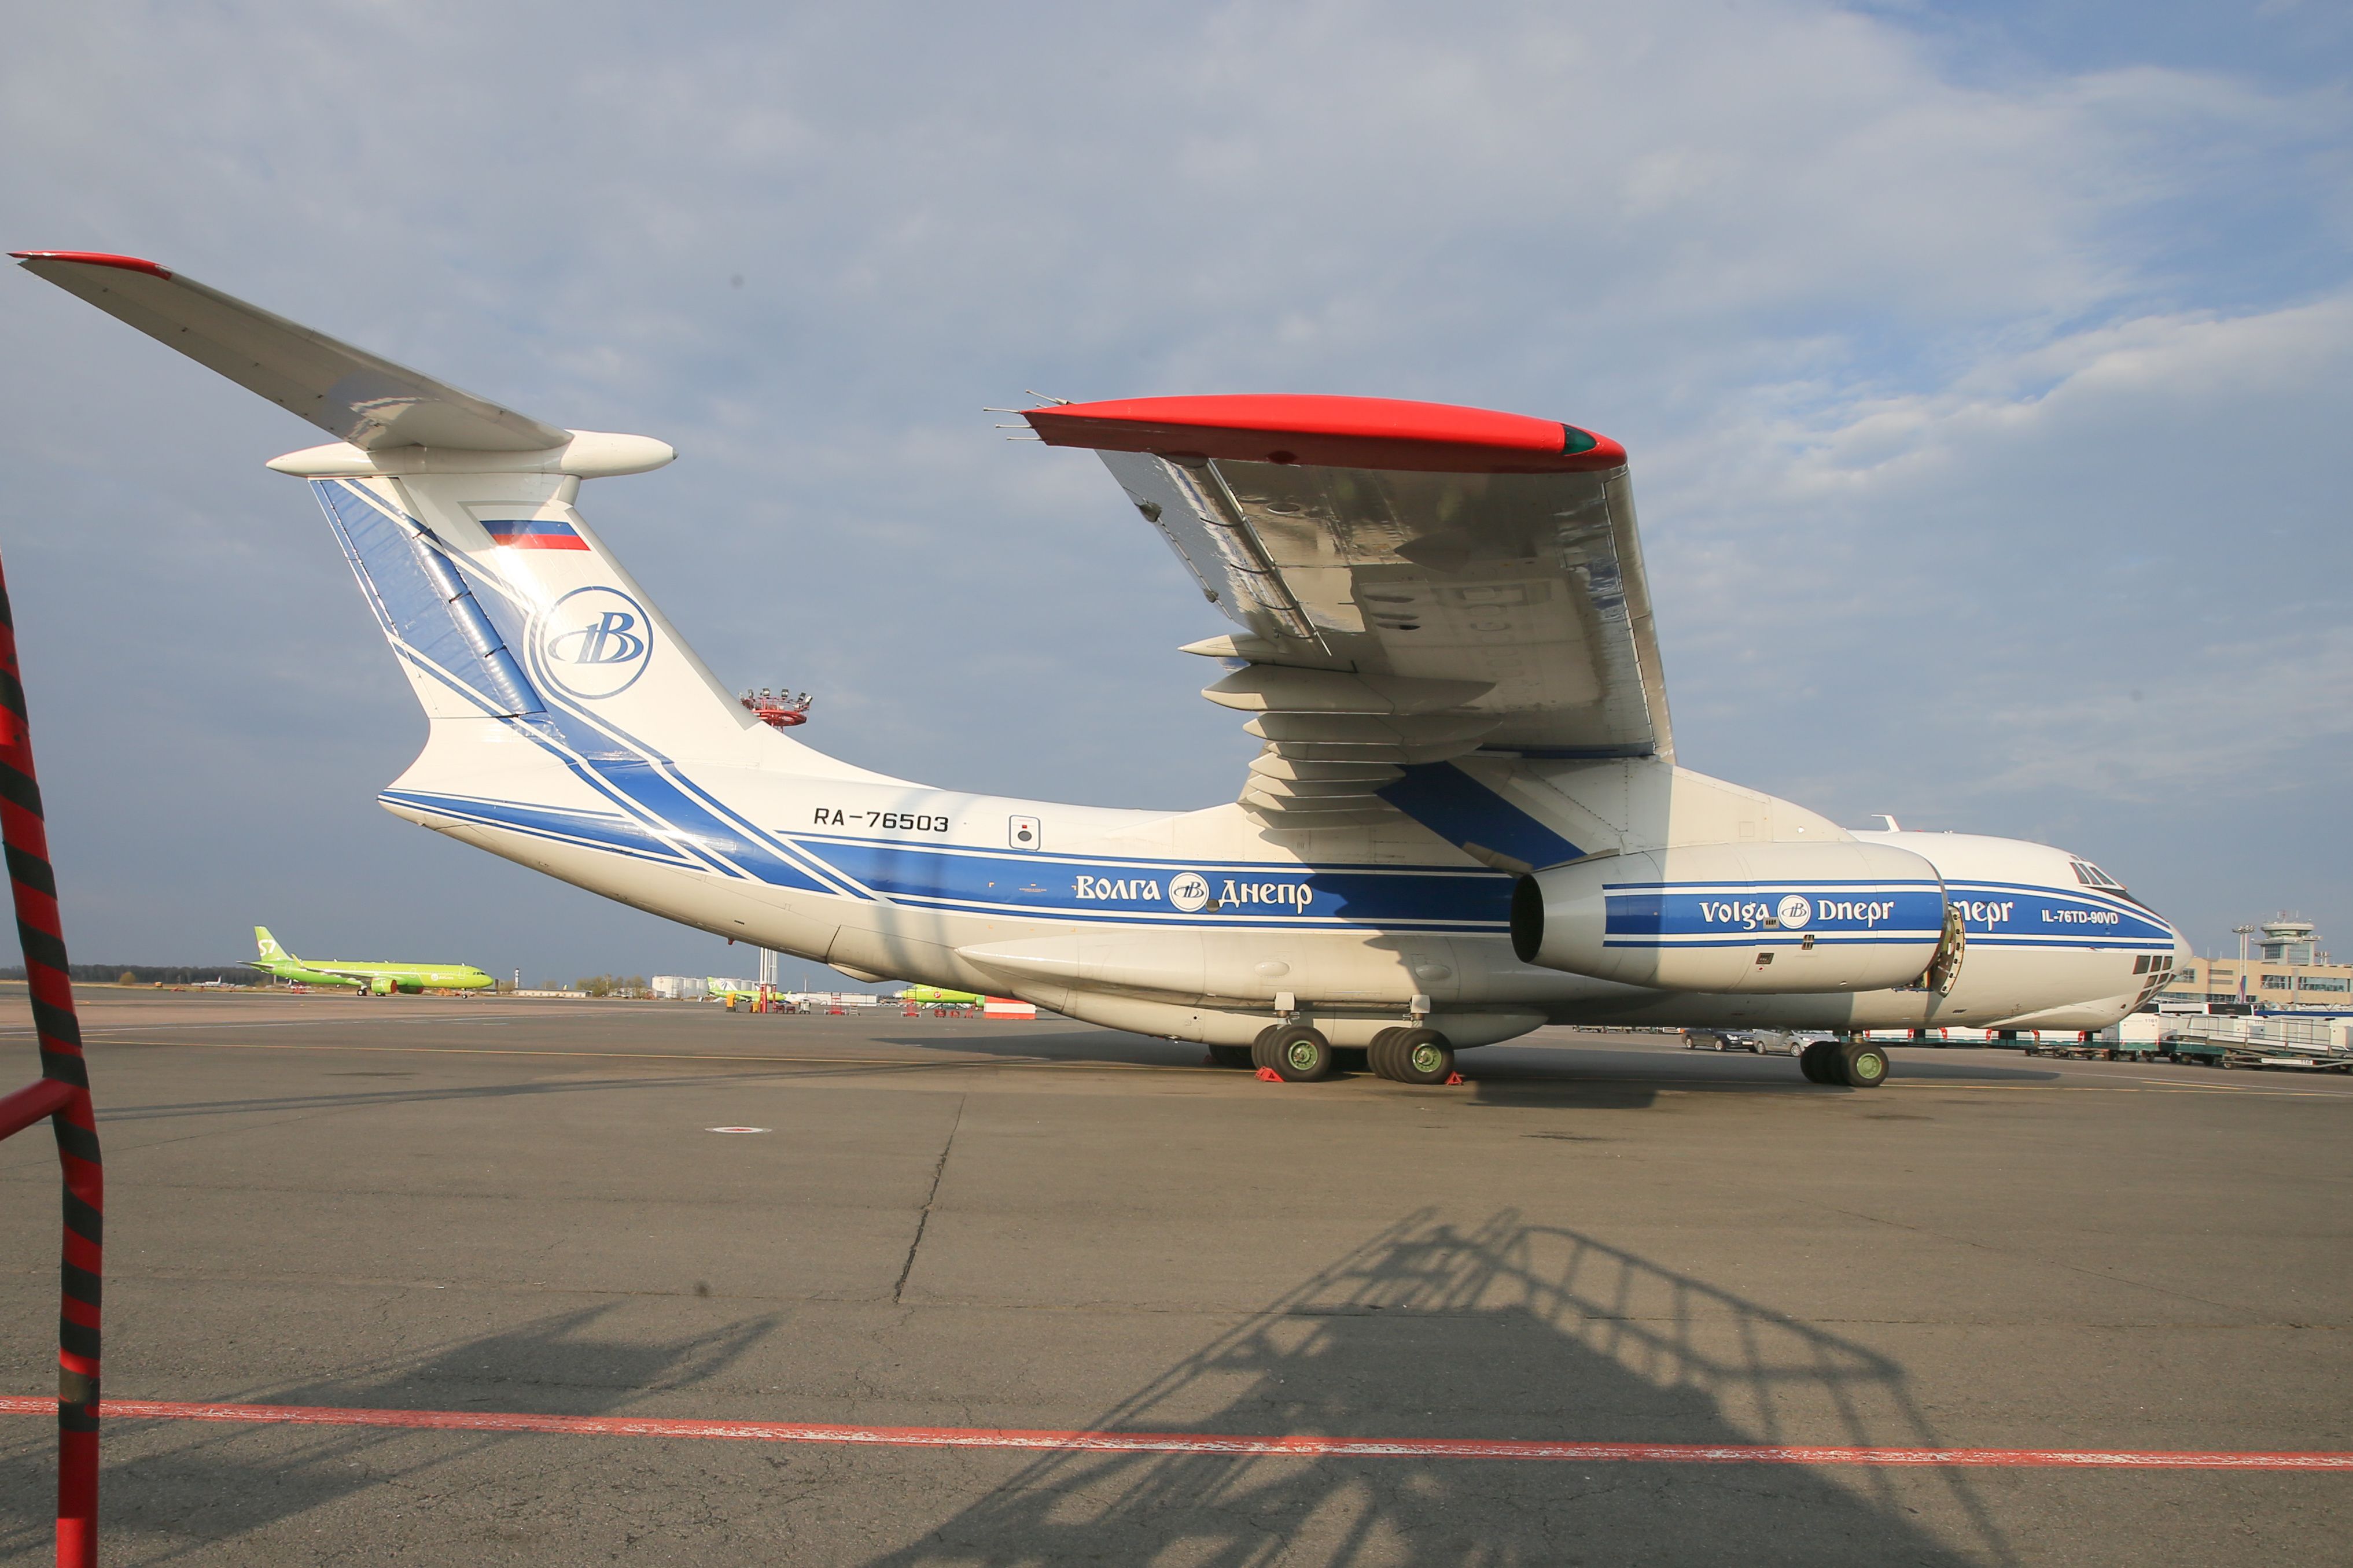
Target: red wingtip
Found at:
93, 259
1336, 432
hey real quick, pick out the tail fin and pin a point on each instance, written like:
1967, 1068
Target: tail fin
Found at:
268, 945
457, 516
502, 604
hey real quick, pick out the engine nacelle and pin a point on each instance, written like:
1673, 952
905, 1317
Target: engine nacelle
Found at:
1737, 917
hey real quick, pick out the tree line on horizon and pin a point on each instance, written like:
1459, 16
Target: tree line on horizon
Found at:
154, 974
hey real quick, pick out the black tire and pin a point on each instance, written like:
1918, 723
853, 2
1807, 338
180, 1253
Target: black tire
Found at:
1815, 1061
1297, 1052
1421, 1056
1376, 1055
1862, 1065
1238, 1056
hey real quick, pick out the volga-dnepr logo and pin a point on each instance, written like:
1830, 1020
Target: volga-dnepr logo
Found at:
1191, 892
595, 642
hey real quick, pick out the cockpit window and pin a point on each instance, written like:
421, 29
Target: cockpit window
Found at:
2091, 875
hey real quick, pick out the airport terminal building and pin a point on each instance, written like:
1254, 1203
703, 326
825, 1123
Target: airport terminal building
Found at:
2286, 970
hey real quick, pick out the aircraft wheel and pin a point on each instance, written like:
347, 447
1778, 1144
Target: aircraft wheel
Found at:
1862, 1065
1297, 1052
1232, 1056
1376, 1055
1816, 1061
1421, 1056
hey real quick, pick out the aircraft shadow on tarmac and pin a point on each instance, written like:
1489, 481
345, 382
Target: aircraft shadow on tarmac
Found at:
1111, 1047
1925, 1065
438, 1094
1505, 1331
1576, 1077
217, 1484
1427, 1330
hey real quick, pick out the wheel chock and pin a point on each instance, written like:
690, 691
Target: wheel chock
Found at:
1454, 1079
1267, 1075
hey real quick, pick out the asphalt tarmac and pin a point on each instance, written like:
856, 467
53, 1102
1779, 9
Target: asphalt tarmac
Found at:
517, 1207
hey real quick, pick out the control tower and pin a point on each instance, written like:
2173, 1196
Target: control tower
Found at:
2287, 941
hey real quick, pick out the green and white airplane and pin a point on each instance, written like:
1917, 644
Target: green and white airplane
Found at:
371, 979
939, 996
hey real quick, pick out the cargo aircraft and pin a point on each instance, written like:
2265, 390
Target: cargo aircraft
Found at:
1466, 819
372, 979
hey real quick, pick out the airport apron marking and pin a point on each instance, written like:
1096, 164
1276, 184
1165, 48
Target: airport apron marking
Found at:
1276, 1447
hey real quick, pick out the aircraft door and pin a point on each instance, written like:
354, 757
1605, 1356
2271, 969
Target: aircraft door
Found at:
1944, 969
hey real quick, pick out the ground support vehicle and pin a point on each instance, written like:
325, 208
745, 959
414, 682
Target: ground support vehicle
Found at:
2297, 1045
2075, 1046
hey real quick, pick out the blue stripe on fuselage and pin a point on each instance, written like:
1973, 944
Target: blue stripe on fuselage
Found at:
704, 834
2020, 914
1100, 888
593, 830
1463, 811
1074, 888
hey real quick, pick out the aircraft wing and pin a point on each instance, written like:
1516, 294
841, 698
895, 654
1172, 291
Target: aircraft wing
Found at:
1414, 582
354, 396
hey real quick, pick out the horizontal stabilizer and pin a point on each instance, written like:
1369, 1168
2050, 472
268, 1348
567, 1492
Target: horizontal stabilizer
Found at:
349, 393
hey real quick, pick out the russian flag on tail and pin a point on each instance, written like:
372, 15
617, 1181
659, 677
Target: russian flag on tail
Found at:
534, 533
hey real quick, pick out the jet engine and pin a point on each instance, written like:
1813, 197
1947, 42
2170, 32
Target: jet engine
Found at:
1737, 917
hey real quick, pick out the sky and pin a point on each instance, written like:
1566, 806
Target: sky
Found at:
1984, 369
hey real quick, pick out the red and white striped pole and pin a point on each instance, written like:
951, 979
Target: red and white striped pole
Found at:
61, 1094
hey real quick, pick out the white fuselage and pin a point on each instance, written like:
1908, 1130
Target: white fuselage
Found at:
1203, 925
573, 731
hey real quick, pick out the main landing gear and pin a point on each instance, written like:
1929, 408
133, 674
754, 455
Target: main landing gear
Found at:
1858, 1063
1412, 1056
1298, 1053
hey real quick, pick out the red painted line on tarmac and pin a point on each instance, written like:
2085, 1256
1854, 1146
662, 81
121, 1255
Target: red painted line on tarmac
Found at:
1187, 1442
